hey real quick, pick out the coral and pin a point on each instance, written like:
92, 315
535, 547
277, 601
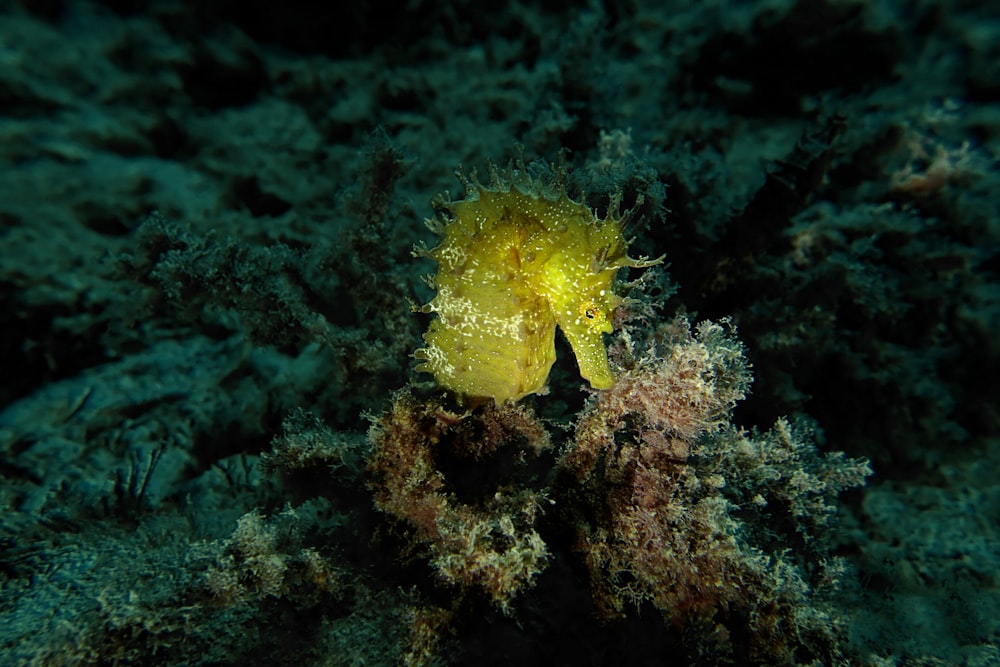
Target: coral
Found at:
668, 504
671, 499
306, 442
277, 296
682, 388
225, 282
630, 450
264, 557
427, 624
516, 259
489, 542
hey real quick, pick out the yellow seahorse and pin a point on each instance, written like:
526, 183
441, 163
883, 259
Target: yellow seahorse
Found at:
516, 259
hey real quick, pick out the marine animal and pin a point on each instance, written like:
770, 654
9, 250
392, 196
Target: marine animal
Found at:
517, 258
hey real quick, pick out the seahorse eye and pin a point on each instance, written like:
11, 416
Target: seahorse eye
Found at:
591, 311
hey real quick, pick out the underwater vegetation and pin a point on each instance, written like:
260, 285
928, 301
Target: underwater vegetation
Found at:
659, 495
237, 427
465, 505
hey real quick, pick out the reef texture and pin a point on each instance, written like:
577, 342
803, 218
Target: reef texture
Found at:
674, 500
516, 259
215, 449
670, 504
489, 542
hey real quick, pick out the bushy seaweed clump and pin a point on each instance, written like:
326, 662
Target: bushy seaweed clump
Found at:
679, 508
721, 530
478, 524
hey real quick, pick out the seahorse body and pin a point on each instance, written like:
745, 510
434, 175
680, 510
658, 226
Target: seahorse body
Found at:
512, 264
